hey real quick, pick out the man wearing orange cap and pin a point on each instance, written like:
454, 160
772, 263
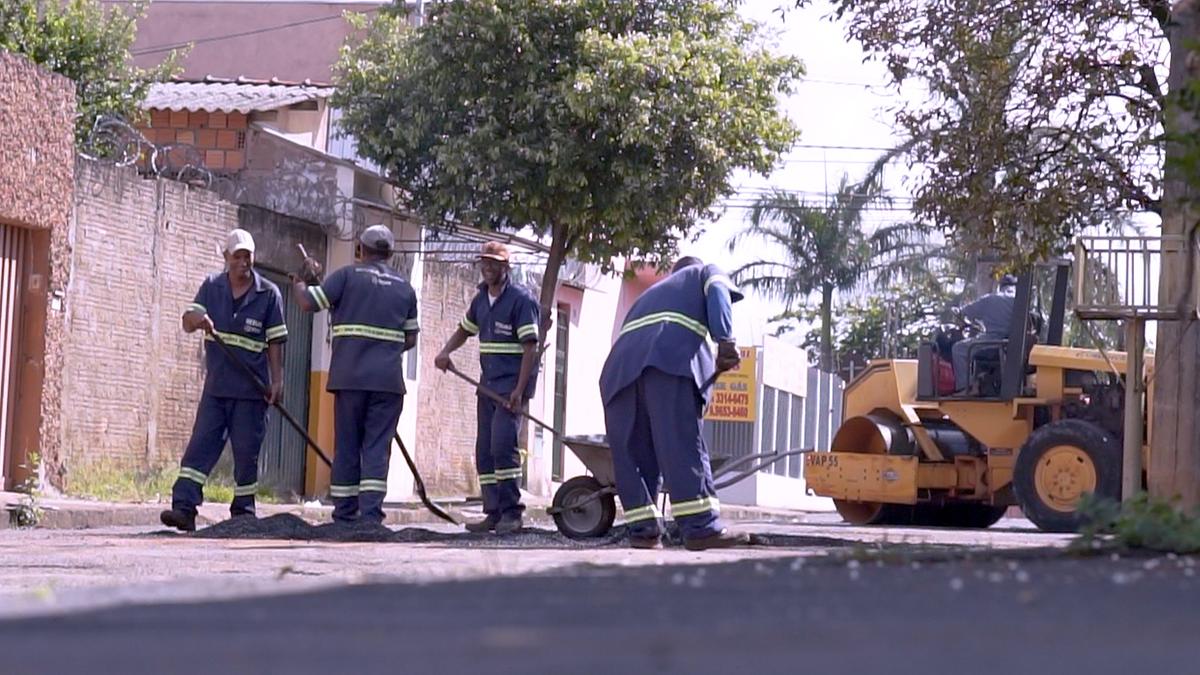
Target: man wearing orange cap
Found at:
505, 317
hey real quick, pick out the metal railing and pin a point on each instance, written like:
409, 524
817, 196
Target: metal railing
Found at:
1118, 277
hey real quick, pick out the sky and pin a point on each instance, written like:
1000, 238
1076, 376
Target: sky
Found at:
842, 109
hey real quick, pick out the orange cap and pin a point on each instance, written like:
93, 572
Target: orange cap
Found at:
494, 250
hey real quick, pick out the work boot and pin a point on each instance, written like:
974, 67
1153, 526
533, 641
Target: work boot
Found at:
509, 524
486, 525
722, 539
646, 542
178, 520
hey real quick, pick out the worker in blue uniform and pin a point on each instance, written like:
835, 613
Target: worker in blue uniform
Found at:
505, 318
246, 312
654, 386
373, 322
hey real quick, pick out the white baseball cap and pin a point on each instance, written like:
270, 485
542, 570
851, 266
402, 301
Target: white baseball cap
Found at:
239, 240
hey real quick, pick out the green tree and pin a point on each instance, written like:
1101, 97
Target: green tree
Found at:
821, 249
610, 126
88, 43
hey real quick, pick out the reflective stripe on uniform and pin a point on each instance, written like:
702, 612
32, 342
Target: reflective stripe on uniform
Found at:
500, 348
196, 307
276, 332
666, 317
691, 508
469, 326
487, 479
372, 485
719, 279
642, 513
370, 332
193, 475
527, 330
412, 325
246, 490
343, 490
318, 296
508, 474
240, 341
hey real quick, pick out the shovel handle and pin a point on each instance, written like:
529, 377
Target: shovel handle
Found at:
500, 399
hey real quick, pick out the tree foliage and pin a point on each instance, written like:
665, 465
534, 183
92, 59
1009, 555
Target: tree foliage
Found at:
823, 249
1041, 118
610, 126
89, 43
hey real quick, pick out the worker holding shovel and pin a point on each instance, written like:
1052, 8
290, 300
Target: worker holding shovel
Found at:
374, 321
505, 317
654, 385
246, 312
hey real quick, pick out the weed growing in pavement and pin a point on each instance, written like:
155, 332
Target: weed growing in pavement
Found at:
1142, 522
110, 481
28, 512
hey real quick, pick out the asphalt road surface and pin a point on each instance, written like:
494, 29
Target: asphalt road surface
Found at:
841, 610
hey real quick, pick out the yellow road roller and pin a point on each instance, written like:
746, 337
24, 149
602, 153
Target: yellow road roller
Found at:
1040, 426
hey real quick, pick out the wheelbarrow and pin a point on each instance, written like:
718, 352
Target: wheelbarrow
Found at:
585, 506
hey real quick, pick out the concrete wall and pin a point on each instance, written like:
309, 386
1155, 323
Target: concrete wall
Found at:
445, 445
37, 110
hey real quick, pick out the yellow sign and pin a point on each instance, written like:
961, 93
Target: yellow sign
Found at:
735, 393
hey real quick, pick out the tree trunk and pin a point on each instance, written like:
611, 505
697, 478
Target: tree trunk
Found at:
558, 255
1174, 467
826, 362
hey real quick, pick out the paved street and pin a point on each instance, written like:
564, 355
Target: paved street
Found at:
819, 597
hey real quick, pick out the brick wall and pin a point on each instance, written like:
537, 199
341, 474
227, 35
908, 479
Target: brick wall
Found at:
446, 418
133, 377
37, 110
219, 137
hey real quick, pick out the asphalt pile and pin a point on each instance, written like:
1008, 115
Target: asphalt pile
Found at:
292, 527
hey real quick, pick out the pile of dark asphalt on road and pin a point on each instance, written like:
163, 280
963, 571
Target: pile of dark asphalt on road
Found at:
289, 526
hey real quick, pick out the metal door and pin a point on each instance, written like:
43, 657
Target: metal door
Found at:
13, 244
281, 462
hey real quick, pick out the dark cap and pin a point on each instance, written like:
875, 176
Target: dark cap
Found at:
494, 250
1008, 280
378, 238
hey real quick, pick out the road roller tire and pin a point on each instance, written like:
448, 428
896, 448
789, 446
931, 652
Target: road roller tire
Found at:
593, 519
880, 433
1058, 464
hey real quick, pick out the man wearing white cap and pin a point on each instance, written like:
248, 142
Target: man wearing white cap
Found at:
374, 322
246, 312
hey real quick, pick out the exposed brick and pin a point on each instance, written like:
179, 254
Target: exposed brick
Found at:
179, 119
214, 159
198, 119
217, 120
206, 138
235, 159
237, 120
186, 136
160, 118
227, 139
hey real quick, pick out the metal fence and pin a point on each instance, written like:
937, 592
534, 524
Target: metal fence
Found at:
785, 421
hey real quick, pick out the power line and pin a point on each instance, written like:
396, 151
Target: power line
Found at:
158, 49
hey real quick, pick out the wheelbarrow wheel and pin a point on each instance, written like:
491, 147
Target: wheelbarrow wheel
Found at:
591, 519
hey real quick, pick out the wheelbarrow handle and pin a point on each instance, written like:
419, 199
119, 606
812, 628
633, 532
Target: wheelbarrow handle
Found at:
500, 399
266, 392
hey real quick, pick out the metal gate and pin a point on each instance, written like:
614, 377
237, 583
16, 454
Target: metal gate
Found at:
13, 244
281, 462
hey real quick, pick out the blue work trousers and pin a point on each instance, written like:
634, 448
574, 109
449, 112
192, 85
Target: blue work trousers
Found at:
241, 422
497, 459
654, 429
364, 425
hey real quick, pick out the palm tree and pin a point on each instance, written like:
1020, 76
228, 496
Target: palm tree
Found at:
824, 249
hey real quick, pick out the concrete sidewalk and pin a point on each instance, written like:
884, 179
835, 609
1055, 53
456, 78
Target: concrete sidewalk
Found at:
64, 513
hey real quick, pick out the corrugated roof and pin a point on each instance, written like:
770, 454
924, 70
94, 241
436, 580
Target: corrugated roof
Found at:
216, 96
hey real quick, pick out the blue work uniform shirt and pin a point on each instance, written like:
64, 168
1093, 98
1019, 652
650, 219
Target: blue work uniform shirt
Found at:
245, 324
372, 308
502, 327
667, 327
